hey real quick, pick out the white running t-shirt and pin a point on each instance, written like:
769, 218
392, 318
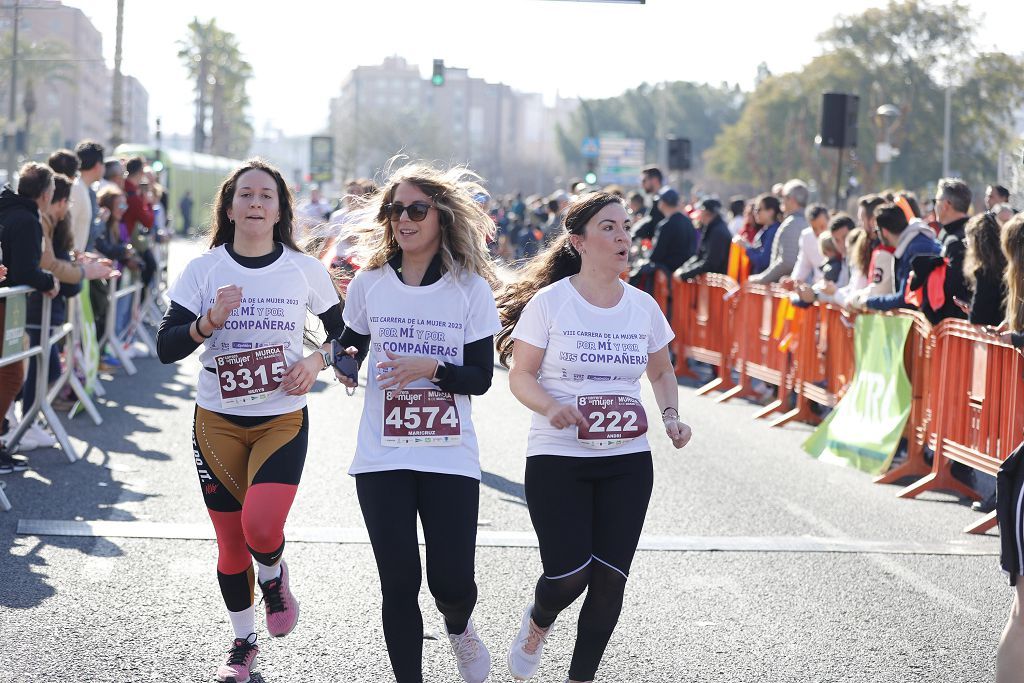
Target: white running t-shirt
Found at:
589, 351
273, 311
435, 321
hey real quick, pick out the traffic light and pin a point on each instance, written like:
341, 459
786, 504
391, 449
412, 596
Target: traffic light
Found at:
678, 153
590, 178
438, 77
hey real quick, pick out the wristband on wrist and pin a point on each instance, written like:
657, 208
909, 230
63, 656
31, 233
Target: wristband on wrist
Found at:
199, 330
666, 416
209, 319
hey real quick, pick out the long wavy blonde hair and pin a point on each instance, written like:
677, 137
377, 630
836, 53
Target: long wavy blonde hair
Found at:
1013, 249
465, 226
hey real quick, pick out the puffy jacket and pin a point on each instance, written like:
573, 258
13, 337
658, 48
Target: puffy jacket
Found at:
916, 239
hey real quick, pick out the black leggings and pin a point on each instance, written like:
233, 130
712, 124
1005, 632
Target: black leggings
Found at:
447, 505
588, 514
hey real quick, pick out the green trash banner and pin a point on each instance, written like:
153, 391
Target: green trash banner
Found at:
865, 428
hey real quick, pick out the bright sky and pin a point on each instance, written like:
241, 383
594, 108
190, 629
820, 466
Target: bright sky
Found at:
301, 50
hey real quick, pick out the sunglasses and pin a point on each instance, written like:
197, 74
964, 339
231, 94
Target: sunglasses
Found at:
416, 211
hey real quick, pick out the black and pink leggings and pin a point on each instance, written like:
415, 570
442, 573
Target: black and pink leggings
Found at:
249, 469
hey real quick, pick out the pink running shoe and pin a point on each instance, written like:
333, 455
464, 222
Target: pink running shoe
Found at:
282, 607
240, 658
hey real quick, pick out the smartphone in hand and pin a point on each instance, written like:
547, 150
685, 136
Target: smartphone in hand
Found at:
344, 363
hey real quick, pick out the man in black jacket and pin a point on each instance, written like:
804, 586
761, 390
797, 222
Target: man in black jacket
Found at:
715, 239
21, 239
21, 232
675, 239
952, 204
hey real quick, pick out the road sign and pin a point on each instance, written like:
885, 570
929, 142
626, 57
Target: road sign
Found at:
321, 158
591, 148
621, 160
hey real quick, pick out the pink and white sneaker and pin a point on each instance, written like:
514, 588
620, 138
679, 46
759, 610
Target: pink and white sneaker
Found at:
236, 667
282, 607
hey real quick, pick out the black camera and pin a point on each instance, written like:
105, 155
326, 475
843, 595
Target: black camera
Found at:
344, 363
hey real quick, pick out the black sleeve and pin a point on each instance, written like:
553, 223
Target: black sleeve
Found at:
473, 377
331, 318
956, 251
1017, 339
719, 244
173, 339
350, 337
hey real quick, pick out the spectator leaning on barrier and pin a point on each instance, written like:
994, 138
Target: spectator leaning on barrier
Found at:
786, 246
835, 272
70, 276
809, 260
84, 209
984, 267
713, 253
21, 240
858, 258
908, 240
766, 218
675, 239
952, 204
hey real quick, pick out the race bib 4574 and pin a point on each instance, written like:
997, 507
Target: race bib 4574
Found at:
420, 417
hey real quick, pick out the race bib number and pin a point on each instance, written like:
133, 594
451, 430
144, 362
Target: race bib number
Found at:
249, 377
420, 417
614, 420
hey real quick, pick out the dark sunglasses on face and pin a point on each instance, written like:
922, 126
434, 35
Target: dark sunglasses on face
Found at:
416, 211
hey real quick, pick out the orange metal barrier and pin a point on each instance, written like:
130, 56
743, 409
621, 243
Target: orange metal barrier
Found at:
979, 419
756, 353
703, 310
919, 356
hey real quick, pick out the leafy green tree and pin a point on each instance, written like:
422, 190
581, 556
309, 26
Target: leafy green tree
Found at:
904, 54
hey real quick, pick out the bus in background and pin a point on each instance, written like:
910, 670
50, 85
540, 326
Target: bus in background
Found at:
200, 174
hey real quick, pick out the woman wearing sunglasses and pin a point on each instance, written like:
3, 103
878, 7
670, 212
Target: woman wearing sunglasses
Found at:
422, 306
579, 340
244, 302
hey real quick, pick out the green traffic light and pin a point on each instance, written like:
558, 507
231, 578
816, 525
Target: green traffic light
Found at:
590, 178
438, 79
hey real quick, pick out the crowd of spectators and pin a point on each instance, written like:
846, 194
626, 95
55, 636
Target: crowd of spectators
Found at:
79, 217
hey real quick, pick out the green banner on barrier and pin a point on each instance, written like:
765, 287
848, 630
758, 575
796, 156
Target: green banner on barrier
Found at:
13, 325
865, 428
87, 333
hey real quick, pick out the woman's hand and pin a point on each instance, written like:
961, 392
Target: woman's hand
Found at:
3, 273
679, 432
229, 297
561, 416
299, 378
399, 371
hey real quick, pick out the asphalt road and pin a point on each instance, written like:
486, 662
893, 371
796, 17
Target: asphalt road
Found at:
772, 607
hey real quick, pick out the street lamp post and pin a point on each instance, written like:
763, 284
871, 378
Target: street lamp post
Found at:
888, 115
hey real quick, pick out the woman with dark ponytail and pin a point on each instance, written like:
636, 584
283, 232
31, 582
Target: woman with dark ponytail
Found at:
576, 340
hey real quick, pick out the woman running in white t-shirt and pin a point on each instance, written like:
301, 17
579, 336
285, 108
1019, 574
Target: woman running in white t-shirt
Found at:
579, 340
422, 305
244, 303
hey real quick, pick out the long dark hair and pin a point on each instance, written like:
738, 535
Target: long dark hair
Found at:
559, 260
984, 251
224, 229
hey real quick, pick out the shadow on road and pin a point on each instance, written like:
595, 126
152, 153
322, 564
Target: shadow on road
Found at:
85, 490
506, 486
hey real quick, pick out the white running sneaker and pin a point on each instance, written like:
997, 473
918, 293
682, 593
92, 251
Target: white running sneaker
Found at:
524, 654
472, 655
